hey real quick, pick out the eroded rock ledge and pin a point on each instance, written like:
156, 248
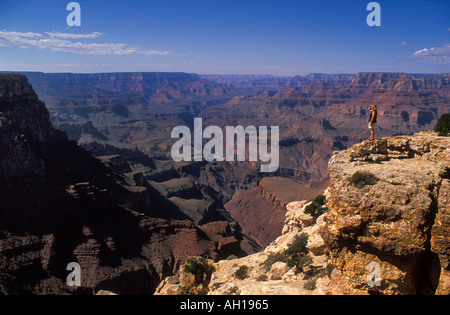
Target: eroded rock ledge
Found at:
400, 222
395, 225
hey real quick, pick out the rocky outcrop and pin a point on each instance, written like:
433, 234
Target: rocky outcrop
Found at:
18, 100
383, 231
398, 221
265, 272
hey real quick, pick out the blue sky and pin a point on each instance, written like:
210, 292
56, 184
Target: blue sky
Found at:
279, 37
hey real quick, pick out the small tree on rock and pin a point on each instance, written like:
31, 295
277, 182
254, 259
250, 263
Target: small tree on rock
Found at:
443, 125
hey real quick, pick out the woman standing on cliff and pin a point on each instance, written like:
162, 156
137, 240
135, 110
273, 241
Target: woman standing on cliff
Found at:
372, 121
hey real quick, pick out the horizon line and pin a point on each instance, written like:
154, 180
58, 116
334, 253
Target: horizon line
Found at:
225, 74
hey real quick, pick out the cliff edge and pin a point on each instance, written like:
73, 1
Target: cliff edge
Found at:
389, 207
384, 229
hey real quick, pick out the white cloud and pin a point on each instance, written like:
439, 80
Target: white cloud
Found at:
56, 41
73, 36
62, 65
156, 52
26, 35
402, 44
439, 55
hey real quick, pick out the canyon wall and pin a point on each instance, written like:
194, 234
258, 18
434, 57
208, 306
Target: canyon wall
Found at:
59, 205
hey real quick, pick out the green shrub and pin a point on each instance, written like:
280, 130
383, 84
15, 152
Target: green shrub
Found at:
241, 273
185, 291
299, 261
329, 269
295, 255
361, 179
298, 246
315, 208
196, 266
443, 125
273, 258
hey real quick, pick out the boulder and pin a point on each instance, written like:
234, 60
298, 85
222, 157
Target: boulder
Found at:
278, 270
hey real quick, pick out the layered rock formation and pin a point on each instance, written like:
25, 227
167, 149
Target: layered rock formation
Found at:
126, 119
399, 221
265, 272
261, 211
317, 113
330, 113
383, 232
102, 88
61, 205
